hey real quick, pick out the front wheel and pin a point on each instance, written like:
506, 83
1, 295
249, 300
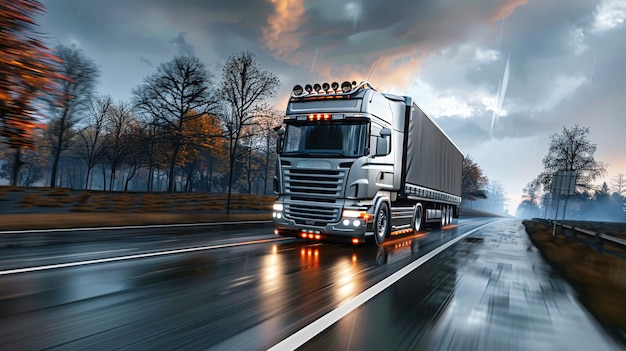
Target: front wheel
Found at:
381, 223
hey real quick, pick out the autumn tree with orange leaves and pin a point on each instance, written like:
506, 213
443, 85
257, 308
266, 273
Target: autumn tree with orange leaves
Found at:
473, 182
27, 73
201, 136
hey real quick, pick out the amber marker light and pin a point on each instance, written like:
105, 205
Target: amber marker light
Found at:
355, 240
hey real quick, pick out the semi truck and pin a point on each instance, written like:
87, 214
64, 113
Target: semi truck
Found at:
358, 165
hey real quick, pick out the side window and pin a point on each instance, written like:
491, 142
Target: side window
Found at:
374, 134
293, 139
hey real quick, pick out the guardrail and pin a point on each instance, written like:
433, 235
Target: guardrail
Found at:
600, 238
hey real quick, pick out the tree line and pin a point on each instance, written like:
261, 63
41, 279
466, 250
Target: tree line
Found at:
571, 150
179, 132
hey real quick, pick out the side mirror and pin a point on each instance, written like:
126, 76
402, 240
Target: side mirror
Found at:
279, 141
382, 142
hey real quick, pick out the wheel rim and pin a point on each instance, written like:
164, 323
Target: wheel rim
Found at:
417, 223
444, 216
381, 224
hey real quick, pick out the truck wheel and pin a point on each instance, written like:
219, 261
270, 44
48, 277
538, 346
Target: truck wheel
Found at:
450, 214
418, 217
381, 223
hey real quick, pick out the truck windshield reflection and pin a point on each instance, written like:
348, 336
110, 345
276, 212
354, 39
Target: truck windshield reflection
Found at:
326, 139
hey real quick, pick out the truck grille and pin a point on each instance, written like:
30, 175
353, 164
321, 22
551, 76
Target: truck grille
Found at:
316, 182
318, 215
313, 192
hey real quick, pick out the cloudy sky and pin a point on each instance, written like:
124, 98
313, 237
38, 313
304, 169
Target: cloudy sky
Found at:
499, 76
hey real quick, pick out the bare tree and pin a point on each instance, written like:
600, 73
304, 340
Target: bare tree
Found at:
497, 196
267, 123
572, 151
245, 88
533, 190
180, 90
70, 105
119, 126
91, 138
137, 142
619, 184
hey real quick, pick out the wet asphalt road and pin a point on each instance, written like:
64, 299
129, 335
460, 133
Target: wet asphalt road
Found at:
250, 290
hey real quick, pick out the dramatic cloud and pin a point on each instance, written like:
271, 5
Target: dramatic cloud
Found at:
609, 14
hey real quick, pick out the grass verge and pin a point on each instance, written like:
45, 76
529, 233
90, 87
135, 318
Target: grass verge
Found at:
599, 278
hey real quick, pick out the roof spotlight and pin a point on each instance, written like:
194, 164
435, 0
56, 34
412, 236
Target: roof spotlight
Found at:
325, 86
334, 86
297, 90
317, 87
346, 86
308, 88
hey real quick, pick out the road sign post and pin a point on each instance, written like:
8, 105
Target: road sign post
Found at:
563, 183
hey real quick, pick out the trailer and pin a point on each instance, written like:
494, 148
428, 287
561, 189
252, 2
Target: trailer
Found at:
358, 165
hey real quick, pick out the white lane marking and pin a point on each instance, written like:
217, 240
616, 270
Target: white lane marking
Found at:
307, 333
131, 257
150, 226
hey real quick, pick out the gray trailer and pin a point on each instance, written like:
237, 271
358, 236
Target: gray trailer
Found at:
359, 165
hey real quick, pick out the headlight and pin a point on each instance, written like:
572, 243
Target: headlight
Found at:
277, 207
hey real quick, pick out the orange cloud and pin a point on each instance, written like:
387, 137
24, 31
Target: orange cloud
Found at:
506, 10
281, 33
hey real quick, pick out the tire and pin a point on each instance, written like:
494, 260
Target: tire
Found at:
418, 218
444, 215
450, 214
381, 223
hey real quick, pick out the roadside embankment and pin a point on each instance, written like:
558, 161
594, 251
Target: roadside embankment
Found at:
599, 278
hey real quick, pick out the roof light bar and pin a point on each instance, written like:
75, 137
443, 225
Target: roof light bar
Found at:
325, 88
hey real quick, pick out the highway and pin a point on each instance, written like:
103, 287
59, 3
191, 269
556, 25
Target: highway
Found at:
475, 285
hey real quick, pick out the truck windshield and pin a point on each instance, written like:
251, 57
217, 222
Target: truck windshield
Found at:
326, 139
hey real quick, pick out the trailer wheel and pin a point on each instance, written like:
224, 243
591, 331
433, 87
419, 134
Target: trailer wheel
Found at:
444, 216
418, 217
381, 223
450, 214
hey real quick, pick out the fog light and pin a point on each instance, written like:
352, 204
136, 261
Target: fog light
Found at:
278, 215
355, 240
356, 223
346, 222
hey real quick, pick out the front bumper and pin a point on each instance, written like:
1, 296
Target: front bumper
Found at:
346, 229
